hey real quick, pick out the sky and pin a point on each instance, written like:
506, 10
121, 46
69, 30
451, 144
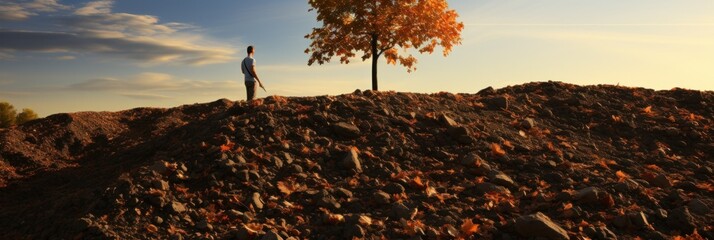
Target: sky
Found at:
70, 55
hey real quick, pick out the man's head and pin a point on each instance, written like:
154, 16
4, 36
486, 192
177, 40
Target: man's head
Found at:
250, 50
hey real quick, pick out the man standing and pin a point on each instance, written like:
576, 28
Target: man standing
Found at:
248, 68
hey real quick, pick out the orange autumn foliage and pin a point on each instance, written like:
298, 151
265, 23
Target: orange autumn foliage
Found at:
381, 27
468, 228
497, 150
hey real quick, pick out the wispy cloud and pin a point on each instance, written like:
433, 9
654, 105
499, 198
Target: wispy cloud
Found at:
95, 28
145, 96
152, 82
18, 11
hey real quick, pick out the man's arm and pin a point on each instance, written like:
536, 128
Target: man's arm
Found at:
255, 75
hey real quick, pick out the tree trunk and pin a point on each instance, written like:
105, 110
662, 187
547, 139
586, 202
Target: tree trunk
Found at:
375, 56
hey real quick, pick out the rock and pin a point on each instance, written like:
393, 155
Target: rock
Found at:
447, 121
622, 221
639, 220
697, 206
203, 225
401, 211
681, 219
243, 175
158, 220
472, 159
352, 161
382, 198
272, 235
177, 207
497, 103
661, 181
354, 231
394, 188
348, 130
528, 123
294, 169
502, 179
539, 225
486, 187
256, 201
327, 201
594, 196
600, 233
342, 193
158, 201
277, 162
661, 213
161, 185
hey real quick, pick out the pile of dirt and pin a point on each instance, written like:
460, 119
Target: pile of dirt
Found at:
539, 160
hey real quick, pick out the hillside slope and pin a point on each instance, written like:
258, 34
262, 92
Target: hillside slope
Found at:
549, 160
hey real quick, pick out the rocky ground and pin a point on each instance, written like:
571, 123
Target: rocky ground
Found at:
536, 161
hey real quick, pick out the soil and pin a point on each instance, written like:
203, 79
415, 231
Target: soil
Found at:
542, 160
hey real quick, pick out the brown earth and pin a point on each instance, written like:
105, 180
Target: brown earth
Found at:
541, 160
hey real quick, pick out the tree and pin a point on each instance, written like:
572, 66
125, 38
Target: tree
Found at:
25, 116
379, 27
7, 115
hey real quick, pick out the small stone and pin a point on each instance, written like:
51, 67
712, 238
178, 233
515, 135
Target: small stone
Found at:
497, 103
661, 213
272, 235
352, 161
294, 169
177, 207
639, 220
203, 225
346, 130
491, 188
382, 198
502, 179
600, 233
354, 231
681, 219
662, 181
447, 121
539, 225
161, 185
328, 202
699, 207
158, 201
528, 123
343, 193
401, 211
472, 160
256, 201
621, 221
277, 162
394, 188
158, 220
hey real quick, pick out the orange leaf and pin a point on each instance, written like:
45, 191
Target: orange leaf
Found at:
622, 176
497, 150
227, 147
567, 206
284, 188
417, 182
468, 228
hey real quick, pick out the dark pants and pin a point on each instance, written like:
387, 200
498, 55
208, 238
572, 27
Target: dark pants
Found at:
250, 88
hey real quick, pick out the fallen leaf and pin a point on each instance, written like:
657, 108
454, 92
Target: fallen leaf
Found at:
468, 228
621, 176
497, 150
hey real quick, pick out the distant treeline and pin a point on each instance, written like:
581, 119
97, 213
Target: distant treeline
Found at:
9, 117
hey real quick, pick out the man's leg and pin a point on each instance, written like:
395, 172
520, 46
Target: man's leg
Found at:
250, 90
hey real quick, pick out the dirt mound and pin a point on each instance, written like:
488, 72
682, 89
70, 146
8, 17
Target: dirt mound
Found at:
547, 160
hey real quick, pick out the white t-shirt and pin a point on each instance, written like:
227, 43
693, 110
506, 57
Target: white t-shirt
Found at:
248, 62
